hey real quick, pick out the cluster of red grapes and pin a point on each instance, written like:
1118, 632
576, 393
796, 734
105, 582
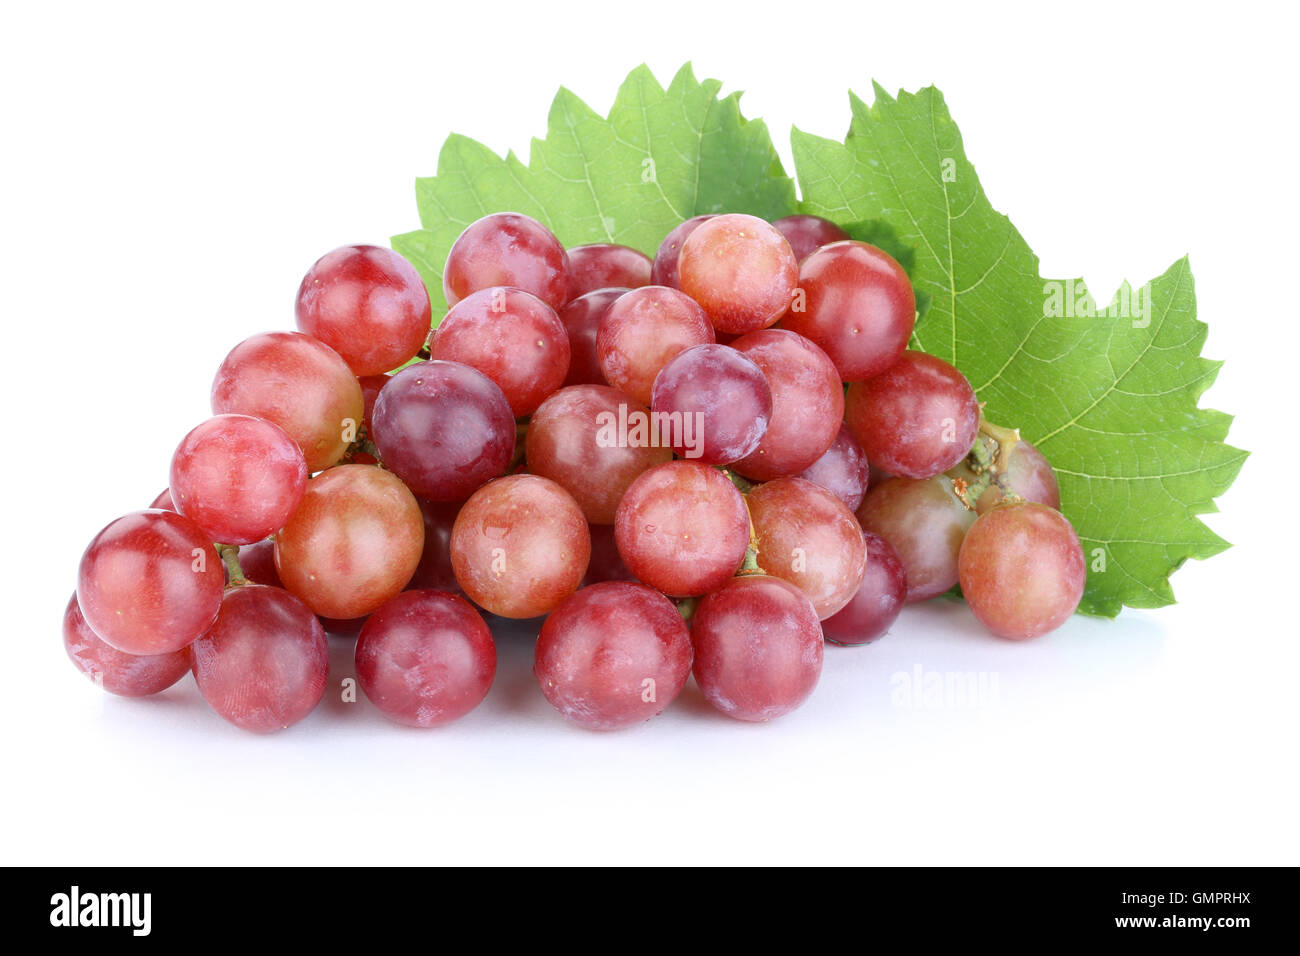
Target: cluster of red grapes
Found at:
660, 456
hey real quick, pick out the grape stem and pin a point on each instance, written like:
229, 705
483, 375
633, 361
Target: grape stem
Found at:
742, 485
969, 491
750, 565
987, 460
982, 454
230, 558
1006, 438
686, 608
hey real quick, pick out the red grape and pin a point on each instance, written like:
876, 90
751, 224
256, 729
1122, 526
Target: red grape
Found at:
257, 563
857, 305
924, 521
682, 528
366, 303
740, 270
613, 655
520, 546
808, 233
572, 439
720, 397
808, 537
150, 582
238, 478
915, 420
606, 563
581, 319
664, 270
1022, 570
807, 403
843, 470
758, 647
642, 331
444, 428
164, 501
606, 266
507, 249
371, 386
425, 658
878, 600
513, 338
127, 675
263, 664
353, 543
298, 383
434, 572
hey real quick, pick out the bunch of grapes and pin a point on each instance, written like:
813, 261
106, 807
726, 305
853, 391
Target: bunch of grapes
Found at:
711, 462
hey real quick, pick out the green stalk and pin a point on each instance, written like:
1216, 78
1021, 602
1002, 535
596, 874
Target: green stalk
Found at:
230, 558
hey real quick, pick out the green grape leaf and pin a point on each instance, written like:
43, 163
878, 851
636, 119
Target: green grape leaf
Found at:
1109, 395
660, 157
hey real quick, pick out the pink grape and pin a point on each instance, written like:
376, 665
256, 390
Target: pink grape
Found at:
642, 331
513, 338
507, 249
366, 303
740, 270
878, 601
724, 393
164, 501
606, 266
806, 234
572, 439
682, 528
581, 319
297, 382
915, 420
371, 386
127, 675
613, 655
353, 543
263, 664
857, 305
664, 270
924, 521
807, 403
257, 563
808, 537
520, 546
1022, 570
150, 582
238, 478
425, 658
444, 429
758, 648
843, 470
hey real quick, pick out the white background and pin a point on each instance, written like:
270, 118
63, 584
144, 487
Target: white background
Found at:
166, 178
